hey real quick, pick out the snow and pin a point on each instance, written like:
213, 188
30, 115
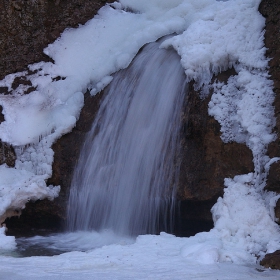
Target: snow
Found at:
213, 43
210, 36
7, 243
149, 257
21, 186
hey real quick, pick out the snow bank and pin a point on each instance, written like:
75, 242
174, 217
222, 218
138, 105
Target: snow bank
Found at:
243, 222
150, 257
19, 186
226, 34
7, 243
211, 36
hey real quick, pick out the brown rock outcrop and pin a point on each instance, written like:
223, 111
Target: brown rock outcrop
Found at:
7, 153
27, 27
270, 9
271, 260
205, 159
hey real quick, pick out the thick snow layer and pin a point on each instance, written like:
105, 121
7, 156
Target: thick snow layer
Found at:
243, 222
211, 36
223, 37
7, 243
19, 186
150, 257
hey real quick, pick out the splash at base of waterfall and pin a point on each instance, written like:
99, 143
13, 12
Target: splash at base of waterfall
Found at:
56, 244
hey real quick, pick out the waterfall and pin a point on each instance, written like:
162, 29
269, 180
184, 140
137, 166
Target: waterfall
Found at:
126, 176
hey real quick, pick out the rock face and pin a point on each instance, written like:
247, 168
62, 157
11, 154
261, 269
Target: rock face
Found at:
7, 154
271, 11
205, 159
272, 260
27, 27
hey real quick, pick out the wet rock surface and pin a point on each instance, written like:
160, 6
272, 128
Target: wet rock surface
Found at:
7, 154
271, 11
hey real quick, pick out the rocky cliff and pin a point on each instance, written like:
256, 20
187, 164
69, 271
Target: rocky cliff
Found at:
28, 26
271, 11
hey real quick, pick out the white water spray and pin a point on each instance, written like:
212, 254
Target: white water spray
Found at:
126, 176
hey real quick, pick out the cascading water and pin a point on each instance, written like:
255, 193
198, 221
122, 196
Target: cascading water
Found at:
126, 176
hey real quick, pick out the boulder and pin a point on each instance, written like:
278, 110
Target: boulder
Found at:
271, 260
27, 27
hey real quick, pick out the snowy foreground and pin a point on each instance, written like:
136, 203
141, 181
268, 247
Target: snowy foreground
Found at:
151, 257
210, 36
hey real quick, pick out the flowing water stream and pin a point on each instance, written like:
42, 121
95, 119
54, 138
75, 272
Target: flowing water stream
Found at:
126, 177
125, 181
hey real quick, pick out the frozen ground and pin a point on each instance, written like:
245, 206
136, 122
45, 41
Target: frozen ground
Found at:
211, 36
150, 257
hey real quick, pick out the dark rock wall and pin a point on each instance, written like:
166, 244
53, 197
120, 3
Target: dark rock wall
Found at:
205, 161
28, 26
270, 9
271, 260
